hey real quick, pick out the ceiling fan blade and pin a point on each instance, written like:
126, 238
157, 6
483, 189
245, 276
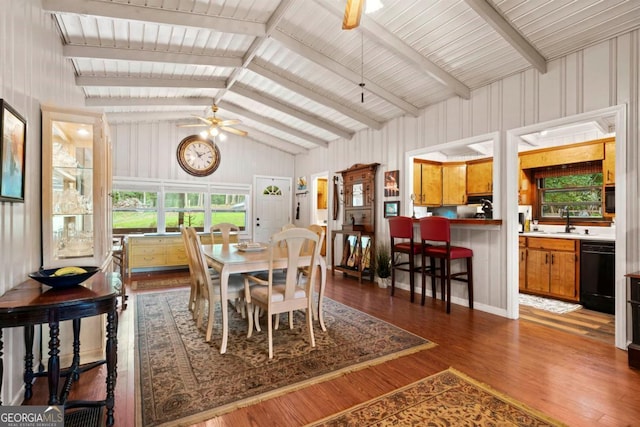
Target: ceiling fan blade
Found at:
207, 121
229, 122
232, 130
352, 14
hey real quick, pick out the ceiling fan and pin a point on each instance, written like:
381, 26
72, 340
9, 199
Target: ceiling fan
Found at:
216, 124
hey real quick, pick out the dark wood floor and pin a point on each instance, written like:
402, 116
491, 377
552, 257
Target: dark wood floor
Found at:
576, 379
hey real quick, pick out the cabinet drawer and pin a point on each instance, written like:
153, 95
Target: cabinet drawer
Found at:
148, 241
147, 261
147, 250
552, 244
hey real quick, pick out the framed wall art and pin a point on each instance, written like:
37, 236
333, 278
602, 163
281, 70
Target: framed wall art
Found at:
392, 183
13, 128
391, 209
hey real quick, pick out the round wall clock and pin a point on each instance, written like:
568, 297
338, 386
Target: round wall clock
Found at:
198, 156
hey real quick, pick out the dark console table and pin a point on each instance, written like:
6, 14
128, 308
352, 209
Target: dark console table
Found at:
633, 349
31, 303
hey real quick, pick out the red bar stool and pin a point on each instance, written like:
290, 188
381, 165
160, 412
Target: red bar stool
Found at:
435, 229
401, 231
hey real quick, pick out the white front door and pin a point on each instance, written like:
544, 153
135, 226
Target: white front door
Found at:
272, 206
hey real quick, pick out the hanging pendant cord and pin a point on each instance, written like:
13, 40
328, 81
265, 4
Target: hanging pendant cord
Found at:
362, 66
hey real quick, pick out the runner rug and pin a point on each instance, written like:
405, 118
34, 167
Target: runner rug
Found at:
157, 284
184, 380
448, 398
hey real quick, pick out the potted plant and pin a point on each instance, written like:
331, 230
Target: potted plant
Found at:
383, 263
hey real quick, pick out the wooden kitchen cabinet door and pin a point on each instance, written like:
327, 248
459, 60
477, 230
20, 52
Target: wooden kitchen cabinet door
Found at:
562, 278
480, 177
432, 184
538, 265
454, 184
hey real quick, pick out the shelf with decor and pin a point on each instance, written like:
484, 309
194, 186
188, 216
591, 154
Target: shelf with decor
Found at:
357, 244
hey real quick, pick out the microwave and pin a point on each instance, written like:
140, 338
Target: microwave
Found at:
610, 200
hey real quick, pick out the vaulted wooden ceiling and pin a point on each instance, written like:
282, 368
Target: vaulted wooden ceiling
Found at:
292, 75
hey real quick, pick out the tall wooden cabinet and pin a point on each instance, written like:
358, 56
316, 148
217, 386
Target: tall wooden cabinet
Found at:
76, 181
359, 223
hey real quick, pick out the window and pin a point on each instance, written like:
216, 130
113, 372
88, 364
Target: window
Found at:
231, 208
576, 188
183, 208
134, 212
150, 206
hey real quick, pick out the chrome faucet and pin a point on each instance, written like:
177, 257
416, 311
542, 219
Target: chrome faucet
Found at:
568, 227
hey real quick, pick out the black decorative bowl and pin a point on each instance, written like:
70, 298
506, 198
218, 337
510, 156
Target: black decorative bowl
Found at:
60, 282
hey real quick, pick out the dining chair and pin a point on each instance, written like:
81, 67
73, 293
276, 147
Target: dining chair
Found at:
209, 288
401, 234
193, 271
275, 296
225, 229
437, 232
317, 308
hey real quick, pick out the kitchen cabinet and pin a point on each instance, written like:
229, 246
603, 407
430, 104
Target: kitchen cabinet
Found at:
552, 267
427, 183
609, 163
633, 349
480, 177
522, 275
454, 183
76, 181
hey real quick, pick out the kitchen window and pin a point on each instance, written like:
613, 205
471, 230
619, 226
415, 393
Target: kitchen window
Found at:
576, 187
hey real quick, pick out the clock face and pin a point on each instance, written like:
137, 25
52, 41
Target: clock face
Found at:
198, 156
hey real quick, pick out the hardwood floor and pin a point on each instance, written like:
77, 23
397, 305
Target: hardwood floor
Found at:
576, 379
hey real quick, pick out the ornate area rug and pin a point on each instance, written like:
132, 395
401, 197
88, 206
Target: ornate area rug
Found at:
145, 285
184, 380
448, 398
546, 304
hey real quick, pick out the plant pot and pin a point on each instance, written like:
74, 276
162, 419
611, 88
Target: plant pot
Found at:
383, 282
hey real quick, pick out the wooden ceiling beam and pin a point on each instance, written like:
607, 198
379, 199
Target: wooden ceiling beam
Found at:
314, 96
120, 54
510, 34
149, 82
272, 123
342, 71
276, 104
130, 12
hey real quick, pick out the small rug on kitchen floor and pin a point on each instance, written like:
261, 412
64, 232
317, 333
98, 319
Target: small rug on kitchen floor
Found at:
184, 380
552, 305
448, 398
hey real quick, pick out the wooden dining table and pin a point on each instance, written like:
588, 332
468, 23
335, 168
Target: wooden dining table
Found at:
228, 259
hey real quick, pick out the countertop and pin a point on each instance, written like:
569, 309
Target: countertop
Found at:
594, 235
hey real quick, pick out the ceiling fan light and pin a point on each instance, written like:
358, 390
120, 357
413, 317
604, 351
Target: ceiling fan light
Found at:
204, 134
222, 136
373, 6
214, 132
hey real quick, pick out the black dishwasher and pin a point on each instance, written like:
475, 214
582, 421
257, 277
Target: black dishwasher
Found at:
597, 275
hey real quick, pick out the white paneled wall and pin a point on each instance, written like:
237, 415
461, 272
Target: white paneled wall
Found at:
33, 71
597, 77
148, 150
